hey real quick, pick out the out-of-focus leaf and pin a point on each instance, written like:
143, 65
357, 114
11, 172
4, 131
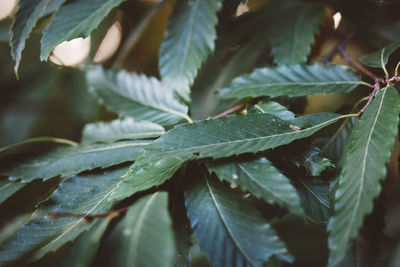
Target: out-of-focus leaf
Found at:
273, 108
120, 129
261, 179
136, 96
144, 237
380, 58
8, 188
83, 250
293, 80
189, 40
291, 41
8, 230
83, 195
29, 12
365, 154
68, 161
74, 20
215, 138
229, 228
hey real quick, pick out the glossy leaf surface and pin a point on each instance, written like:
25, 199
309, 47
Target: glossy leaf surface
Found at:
363, 166
229, 228
293, 80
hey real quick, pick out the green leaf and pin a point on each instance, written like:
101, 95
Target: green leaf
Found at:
306, 155
151, 173
74, 20
261, 179
25, 19
84, 249
293, 80
380, 58
215, 138
120, 129
314, 195
144, 237
365, 154
291, 41
8, 188
136, 96
228, 227
68, 161
273, 108
189, 41
83, 195
333, 148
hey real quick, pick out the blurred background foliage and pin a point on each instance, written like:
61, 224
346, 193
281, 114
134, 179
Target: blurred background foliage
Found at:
51, 98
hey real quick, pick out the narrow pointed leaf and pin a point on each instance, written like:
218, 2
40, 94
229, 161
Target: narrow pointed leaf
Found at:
83, 195
228, 227
261, 179
293, 80
8, 188
25, 19
291, 41
189, 40
74, 20
136, 96
84, 249
144, 237
273, 108
215, 138
67, 161
120, 129
333, 148
380, 58
365, 154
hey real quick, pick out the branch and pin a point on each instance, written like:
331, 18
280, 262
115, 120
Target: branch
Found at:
88, 217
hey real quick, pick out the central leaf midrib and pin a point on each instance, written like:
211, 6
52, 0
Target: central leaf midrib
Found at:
202, 147
363, 169
225, 224
132, 248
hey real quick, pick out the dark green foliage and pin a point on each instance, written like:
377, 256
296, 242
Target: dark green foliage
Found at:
162, 177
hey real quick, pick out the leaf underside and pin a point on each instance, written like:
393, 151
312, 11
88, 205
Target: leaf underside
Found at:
229, 228
363, 166
189, 40
82, 194
136, 96
120, 129
293, 80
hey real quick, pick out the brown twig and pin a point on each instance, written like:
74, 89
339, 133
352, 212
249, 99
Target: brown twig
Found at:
328, 57
235, 109
371, 97
88, 217
358, 65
